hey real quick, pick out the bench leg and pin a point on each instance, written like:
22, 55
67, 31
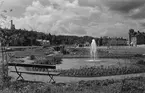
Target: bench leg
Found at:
19, 76
51, 79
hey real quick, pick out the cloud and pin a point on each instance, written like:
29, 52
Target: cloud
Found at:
55, 20
81, 17
89, 3
37, 8
131, 8
143, 24
124, 6
18, 6
76, 29
64, 3
70, 18
138, 13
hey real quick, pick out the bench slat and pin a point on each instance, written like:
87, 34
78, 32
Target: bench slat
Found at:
38, 73
32, 65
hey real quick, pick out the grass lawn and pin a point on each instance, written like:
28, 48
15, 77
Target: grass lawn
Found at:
104, 52
121, 51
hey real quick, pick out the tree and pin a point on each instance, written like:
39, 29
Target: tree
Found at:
4, 40
131, 30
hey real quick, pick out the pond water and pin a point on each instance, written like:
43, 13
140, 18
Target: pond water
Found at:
81, 62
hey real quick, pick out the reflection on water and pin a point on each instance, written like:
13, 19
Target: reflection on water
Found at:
92, 60
80, 62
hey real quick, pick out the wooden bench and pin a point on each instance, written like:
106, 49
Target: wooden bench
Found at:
40, 66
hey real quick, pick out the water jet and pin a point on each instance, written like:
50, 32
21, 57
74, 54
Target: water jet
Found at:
93, 50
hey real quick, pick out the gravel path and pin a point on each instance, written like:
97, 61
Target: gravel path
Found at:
73, 79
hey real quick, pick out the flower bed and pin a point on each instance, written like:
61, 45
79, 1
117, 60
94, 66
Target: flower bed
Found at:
101, 71
97, 71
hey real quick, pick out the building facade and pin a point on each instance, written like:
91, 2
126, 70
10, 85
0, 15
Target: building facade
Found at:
12, 25
117, 42
112, 41
136, 38
44, 42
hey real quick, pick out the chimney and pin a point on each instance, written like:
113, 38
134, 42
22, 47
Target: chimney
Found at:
11, 24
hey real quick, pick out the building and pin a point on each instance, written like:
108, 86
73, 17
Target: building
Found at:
44, 42
136, 38
87, 44
133, 41
12, 25
80, 45
117, 42
112, 41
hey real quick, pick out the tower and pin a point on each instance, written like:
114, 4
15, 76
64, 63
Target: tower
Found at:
12, 25
131, 33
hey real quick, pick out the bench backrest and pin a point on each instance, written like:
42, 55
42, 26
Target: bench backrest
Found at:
32, 65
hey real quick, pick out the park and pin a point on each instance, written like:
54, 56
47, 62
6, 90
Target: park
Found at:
72, 46
77, 67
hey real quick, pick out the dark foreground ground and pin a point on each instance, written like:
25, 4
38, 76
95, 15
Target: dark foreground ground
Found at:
130, 85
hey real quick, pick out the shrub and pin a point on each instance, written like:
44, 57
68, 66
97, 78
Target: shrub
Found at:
32, 57
138, 55
48, 61
141, 62
101, 71
130, 85
45, 60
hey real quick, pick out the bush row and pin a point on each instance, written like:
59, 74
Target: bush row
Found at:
101, 71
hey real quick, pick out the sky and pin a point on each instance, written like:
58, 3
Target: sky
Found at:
95, 18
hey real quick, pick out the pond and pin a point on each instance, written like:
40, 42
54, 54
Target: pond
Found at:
81, 62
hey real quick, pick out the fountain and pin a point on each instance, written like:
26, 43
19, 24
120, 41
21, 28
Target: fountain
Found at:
93, 49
